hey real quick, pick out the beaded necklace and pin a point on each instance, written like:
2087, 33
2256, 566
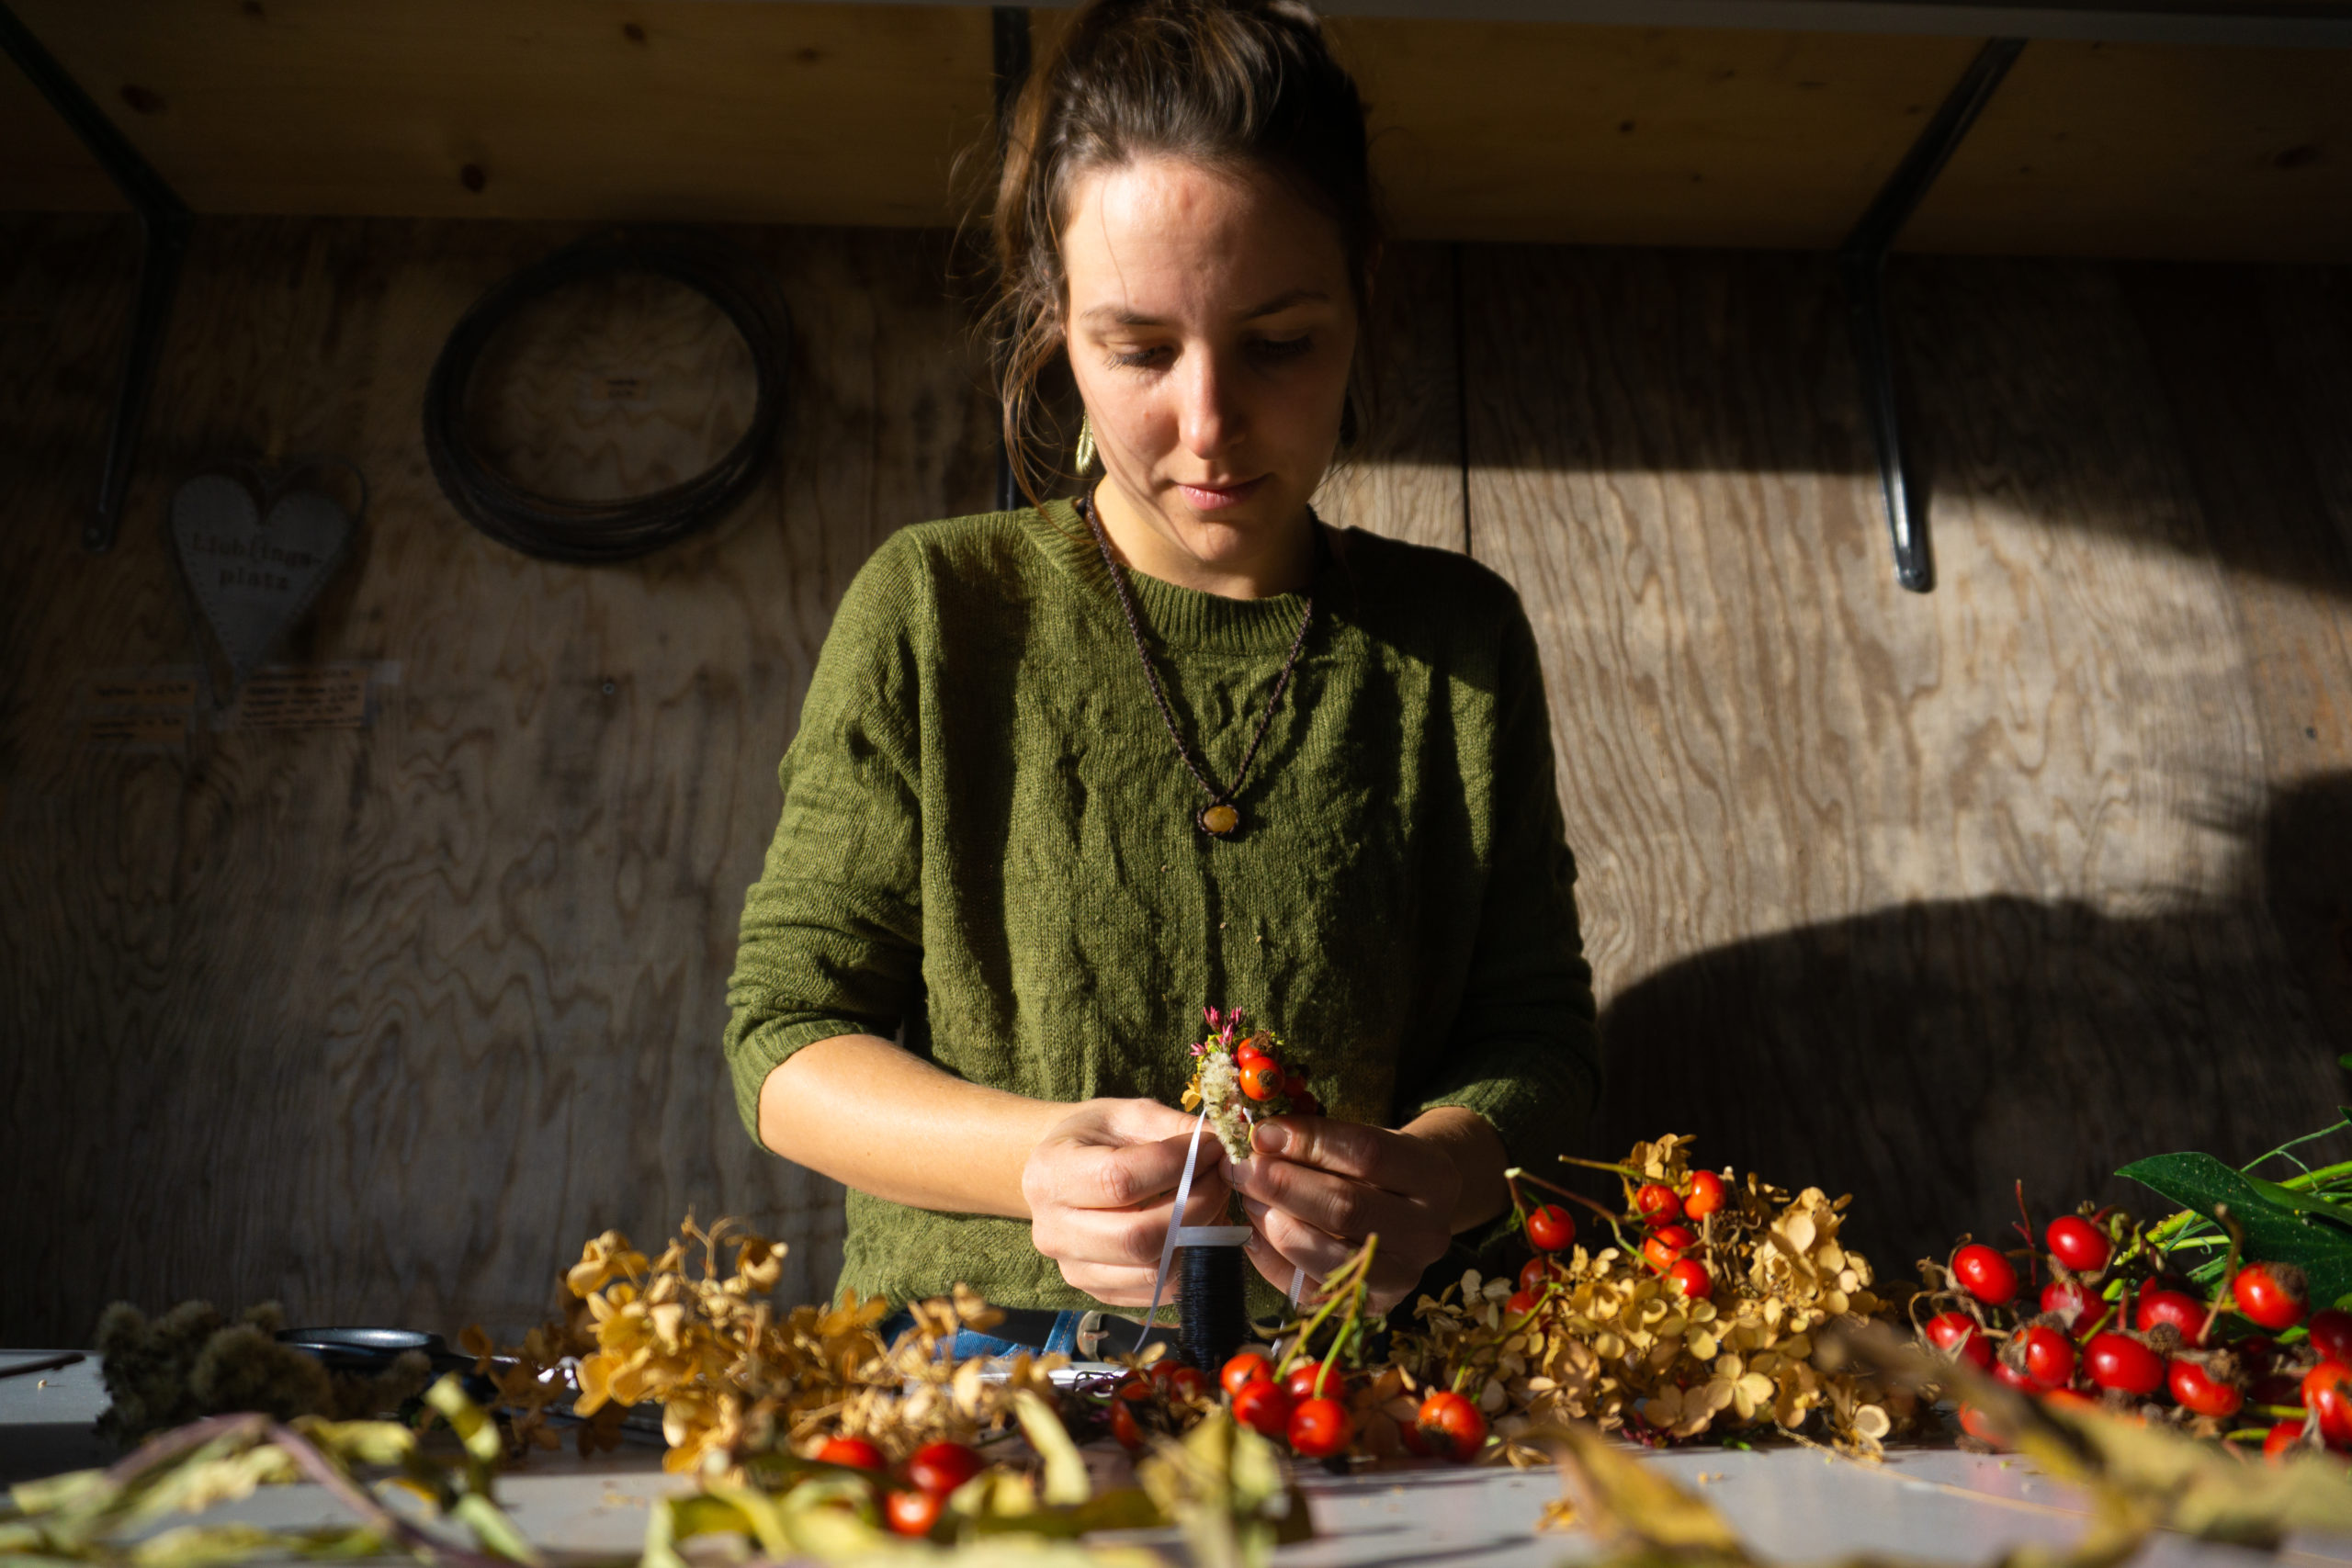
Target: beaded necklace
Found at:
1220, 819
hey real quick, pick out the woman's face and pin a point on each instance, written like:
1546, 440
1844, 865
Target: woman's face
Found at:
1210, 329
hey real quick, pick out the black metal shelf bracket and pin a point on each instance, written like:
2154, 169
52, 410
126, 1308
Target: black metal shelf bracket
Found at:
163, 219
1861, 262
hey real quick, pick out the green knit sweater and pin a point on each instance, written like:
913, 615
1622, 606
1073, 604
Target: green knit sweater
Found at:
988, 841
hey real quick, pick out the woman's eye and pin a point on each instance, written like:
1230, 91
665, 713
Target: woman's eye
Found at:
1284, 348
1137, 358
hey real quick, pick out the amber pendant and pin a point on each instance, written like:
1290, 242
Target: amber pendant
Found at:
1218, 821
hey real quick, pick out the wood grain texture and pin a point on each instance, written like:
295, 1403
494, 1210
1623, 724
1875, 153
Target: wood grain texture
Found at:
2153, 150
1548, 133
1404, 477
703, 110
1539, 132
1907, 896
383, 1023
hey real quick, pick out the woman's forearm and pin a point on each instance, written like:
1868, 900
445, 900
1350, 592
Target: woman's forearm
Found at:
874, 1117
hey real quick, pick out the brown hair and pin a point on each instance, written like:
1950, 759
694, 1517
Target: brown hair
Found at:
1227, 84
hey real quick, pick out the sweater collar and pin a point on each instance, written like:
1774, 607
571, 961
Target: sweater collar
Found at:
1173, 616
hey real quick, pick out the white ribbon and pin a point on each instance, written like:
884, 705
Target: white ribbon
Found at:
1182, 1234
1175, 1222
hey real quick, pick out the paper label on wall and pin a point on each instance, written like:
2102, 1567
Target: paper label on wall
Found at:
327, 696
143, 709
131, 727
158, 706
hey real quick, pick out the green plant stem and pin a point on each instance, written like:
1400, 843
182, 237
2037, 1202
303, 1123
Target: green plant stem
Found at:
1627, 1171
2303, 1181
2229, 1270
1346, 1285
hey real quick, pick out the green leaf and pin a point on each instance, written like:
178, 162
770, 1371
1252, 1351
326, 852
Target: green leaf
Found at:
493, 1530
1066, 1483
202, 1546
2273, 1232
2306, 1203
470, 1421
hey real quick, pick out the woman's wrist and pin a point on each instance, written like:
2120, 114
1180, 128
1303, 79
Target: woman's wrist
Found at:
1470, 1141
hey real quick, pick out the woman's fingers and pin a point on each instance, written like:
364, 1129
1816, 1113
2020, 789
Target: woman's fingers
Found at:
1294, 1242
1396, 1162
1100, 1187
1319, 1187
1112, 1286
1347, 1206
1282, 1246
1130, 1237
1114, 1154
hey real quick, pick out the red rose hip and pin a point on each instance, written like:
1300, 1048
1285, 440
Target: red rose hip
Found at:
2269, 1296
2200, 1392
938, 1468
1450, 1426
2078, 1244
2183, 1311
1690, 1277
1957, 1335
1985, 1274
1550, 1228
1320, 1427
1705, 1197
1243, 1369
2331, 1332
2327, 1394
855, 1452
2048, 1356
1263, 1407
2115, 1362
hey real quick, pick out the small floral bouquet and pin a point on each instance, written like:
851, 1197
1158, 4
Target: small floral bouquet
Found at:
1240, 1077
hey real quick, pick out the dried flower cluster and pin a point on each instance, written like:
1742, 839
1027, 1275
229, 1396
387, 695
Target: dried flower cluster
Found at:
1238, 1076
736, 1377
1602, 1337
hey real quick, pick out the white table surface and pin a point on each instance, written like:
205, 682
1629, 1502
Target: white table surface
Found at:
1932, 1504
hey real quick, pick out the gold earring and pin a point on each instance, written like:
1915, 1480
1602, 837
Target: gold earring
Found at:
1085, 442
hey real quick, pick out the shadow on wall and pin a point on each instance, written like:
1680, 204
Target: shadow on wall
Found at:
2194, 409
1928, 1056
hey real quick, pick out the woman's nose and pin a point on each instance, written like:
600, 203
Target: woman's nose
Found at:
1210, 418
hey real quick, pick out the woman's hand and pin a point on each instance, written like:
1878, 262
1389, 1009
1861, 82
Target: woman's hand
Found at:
1317, 1186
1101, 1189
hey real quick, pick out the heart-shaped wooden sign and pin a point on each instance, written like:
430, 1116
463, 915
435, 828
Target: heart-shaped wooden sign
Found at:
255, 572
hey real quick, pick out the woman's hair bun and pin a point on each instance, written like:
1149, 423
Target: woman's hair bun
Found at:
1223, 83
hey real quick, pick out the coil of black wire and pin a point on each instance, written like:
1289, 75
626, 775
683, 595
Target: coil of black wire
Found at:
1212, 1313
591, 532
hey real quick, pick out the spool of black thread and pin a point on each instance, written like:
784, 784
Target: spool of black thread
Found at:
1211, 1314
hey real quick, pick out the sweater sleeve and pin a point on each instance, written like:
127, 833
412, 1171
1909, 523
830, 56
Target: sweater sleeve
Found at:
832, 933
1524, 1052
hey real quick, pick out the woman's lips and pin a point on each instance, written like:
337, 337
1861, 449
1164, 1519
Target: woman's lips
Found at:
1217, 498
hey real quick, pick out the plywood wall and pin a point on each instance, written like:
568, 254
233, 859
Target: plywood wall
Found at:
1909, 895
1916, 897
384, 1022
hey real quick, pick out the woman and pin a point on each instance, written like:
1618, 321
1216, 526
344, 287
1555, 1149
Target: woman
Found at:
1067, 774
